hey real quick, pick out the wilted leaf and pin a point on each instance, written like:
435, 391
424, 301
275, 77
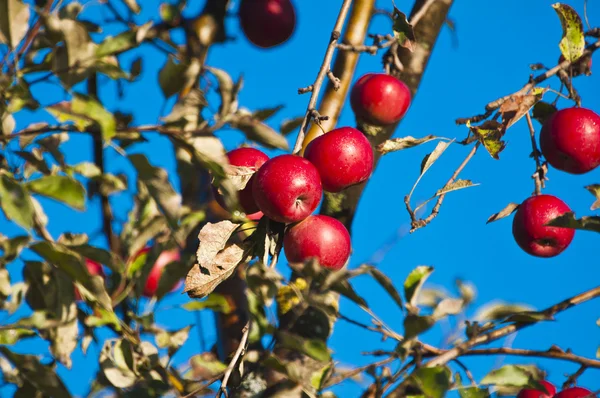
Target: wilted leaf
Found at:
542, 111
239, 176
226, 91
433, 382
517, 106
568, 220
511, 375
42, 377
264, 114
490, 135
594, 190
157, 182
448, 306
507, 211
215, 302
499, 310
16, 202
572, 43
414, 325
206, 365
398, 144
216, 259
12, 247
259, 132
455, 186
14, 21
403, 30
116, 361
314, 348
173, 340
431, 158
414, 282
61, 188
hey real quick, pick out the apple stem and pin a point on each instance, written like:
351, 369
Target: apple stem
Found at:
539, 177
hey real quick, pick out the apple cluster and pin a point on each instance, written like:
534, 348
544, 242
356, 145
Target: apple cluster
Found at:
288, 188
572, 392
570, 142
153, 279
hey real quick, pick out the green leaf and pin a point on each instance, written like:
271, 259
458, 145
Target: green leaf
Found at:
61, 188
87, 169
92, 109
499, 310
414, 282
99, 255
384, 281
173, 340
594, 189
568, 220
157, 182
116, 44
42, 377
12, 336
289, 125
572, 43
398, 144
259, 132
512, 375
542, 111
474, 392
71, 263
173, 77
433, 382
208, 364
63, 113
414, 325
103, 317
344, 288
12, 247
403, 30
215, 302
14, 22
314, 348
264, 114
16, 202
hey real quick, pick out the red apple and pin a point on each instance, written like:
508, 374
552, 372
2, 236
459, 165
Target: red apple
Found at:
245, 157
287, 188
575, 392
163, 259
531, 393
530, 230
320, 237
267, 23
343, 156
570, 140
380, 99
93, 268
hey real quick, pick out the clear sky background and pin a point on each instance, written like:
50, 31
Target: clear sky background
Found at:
487, 56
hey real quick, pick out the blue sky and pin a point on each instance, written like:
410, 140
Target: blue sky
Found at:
488, 56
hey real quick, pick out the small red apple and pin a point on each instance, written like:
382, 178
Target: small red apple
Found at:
575, 392
93, 268
164, 258
380, 99
343, 156
287, 188
570, 140
320, 237
245, 157
267, 23
530, 230
531, 393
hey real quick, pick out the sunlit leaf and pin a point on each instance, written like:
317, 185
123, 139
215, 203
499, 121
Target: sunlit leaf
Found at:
14, 21
572, 43
398, 144
403, 30
61, 188
414, 282
16, 202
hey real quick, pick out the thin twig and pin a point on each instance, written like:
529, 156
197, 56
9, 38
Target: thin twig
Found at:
571, 380
351, 373
238, 353
512, 328
467, 372
325, 66
539, 176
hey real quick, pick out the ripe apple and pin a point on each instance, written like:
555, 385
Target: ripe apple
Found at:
343, 156
245, 157
531, 393
575, 392
380, 99
570, 140
530, 230
320, 237
164, 258
93, 268
267, 23
287, 188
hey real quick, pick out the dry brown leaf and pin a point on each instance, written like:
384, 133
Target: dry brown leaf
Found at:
517, 105
213, 238
239, 175
507, 211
